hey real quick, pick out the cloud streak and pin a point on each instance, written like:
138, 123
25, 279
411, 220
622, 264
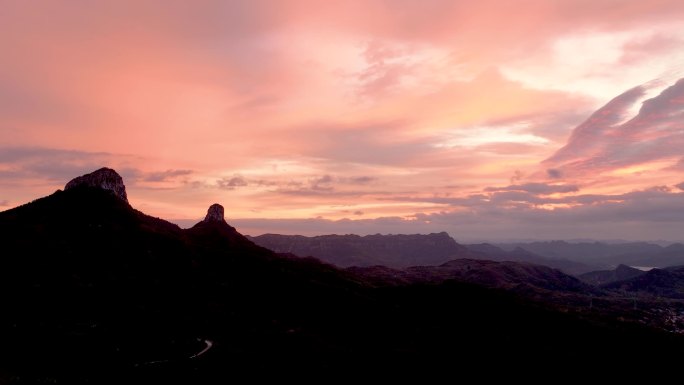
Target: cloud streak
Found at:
536, 188
163, 176
606, 142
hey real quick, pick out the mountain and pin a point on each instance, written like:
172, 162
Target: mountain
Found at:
90, 286
585, 252
494, 253
87, 279
602, 277
354, 250
598, 254
515, 276
95, 291
672, 255
401, 251
667, 283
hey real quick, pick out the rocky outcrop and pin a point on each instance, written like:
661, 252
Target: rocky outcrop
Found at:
104, 178
215, 214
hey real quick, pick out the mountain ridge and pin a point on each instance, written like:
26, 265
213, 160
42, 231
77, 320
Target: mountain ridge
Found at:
603, 277
94, 290
400, 250
403, 250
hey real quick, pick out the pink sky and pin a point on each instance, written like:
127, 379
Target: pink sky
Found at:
486, 119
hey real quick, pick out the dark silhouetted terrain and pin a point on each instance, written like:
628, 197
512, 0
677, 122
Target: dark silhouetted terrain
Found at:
94, 291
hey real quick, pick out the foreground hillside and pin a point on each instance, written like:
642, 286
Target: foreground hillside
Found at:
94, 291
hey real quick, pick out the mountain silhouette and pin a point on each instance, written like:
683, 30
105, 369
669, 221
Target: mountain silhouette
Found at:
400, 250
601, 255
667, 283
87, 278
518, 254
95, 291
603, 277
515, 276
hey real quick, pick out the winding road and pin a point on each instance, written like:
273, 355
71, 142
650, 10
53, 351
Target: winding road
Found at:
208, 344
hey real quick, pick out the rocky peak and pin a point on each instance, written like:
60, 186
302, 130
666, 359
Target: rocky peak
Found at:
104, 178
215, 214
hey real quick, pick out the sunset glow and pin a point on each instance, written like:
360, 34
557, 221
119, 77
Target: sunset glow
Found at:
486, 119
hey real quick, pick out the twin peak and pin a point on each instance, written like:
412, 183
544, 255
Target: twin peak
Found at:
108, 179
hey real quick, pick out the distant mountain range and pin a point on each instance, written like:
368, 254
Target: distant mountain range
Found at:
369, 250
95, 291
604, 254
519, 254
401, 251
665, 283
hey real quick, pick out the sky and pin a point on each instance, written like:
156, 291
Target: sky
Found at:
491, 120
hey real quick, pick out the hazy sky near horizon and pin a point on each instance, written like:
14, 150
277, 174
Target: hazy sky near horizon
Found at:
487, 119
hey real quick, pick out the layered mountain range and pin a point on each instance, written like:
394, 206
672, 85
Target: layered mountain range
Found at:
354, 250
95, 291
403, 250
606, 254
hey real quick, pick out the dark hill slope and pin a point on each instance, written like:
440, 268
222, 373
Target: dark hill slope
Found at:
83, 275
89, 285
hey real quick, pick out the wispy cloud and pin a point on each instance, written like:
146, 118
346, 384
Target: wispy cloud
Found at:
537, 188
611, 139
360, 179
23, 162
163, 176
232, 182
